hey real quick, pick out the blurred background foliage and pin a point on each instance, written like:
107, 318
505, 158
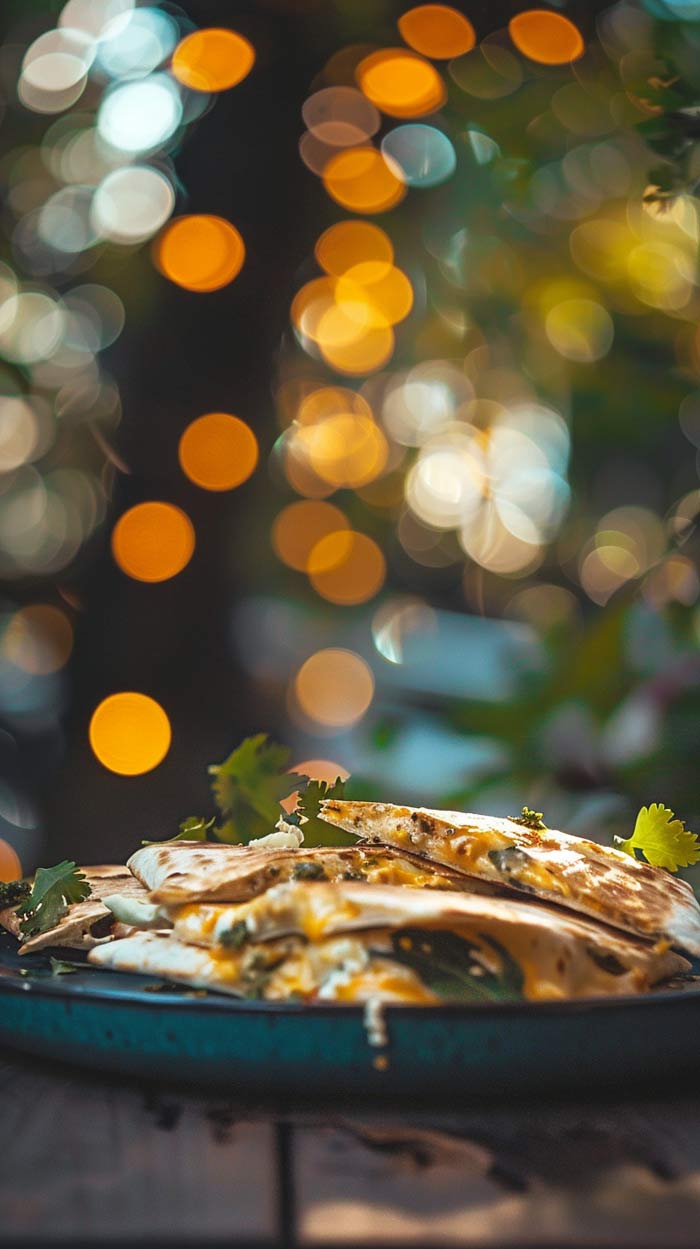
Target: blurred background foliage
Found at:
442, 533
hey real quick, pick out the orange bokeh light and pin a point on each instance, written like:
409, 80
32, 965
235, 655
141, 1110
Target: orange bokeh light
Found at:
546, 37
318, 770
153, 541
130, 733
386, 295
213, 59
300, 526
218, 451
438, 31
346, 568
353, 243
356, 353
10, 866
329, 401
360, 179
401, 83
38, 639
348, 449
200, 252
334, 687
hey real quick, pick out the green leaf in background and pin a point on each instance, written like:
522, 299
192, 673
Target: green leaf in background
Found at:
316, 831
451, 966
249, 786
54, 889
662, 839
194, 828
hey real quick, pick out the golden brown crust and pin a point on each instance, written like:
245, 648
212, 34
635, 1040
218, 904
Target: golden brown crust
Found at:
573, 872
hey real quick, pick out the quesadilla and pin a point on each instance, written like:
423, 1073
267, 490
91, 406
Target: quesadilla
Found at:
182, 871
457, 947
575, 873
87, 923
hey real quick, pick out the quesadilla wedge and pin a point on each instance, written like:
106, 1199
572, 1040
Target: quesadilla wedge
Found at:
457, 945
575, 873
183, 871
87, 923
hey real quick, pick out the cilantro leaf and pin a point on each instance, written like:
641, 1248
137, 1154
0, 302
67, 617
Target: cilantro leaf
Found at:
316, 831
249, 786
529, 819
61, 968
662, 839
194, 828
54, 889
453, 967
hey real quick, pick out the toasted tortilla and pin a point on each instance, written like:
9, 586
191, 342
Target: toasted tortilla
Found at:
575, 873
183, 871
87, 923
559, 956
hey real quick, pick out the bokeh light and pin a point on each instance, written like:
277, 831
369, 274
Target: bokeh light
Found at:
546, 37
133, 44
153, 541
131, 204
212, 59
437, 30
334, 688
318, 770
580, 329
140, 116
130, 733
401, 83
38, 639
351, 243
361, 180
218, 451
10, 866
200, 252
346, 568
345, 450
340, 117
421, 155
300, 526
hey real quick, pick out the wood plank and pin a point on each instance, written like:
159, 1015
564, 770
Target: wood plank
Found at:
91, 1157
596, 1175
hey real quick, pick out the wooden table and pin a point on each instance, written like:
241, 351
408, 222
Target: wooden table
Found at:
91, 1159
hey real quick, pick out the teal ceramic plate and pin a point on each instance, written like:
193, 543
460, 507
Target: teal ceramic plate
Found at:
117, 1022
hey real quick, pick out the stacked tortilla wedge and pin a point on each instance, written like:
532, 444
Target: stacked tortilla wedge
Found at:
427, 907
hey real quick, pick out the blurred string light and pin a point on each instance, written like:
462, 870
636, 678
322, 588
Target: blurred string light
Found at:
200, 253
536, 258
153, 541
130, 733
218, 451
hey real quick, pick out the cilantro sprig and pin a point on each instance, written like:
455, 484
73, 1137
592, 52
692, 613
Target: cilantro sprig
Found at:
249, 786
662, 838
53, 891
316, 832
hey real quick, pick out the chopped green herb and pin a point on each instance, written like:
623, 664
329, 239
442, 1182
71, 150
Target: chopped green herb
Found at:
662, 839
530, 819
12, 892
194, 828
316, 831
309, 871
235, 936
53, 891
61, 968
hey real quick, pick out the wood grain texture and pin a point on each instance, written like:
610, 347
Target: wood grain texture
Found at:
88, 1157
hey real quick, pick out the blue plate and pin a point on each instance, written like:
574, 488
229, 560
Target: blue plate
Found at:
135, 1025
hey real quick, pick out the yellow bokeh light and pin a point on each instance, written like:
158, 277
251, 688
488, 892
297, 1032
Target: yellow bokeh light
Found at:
309, 305
360, 179
345, 450
130, 733
212, 59
546, 37
580, 329
218, 451
353, 243
10, 866
385, 293
200, 252
300, 526
346, 568
438, 31
334, 687
38, 639
329, 401
153, 541
351, 349
401, 83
